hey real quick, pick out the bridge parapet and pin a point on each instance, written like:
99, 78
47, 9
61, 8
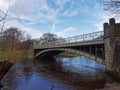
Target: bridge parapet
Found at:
71, 40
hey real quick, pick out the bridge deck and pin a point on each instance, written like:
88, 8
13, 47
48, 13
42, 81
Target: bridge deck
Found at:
90, 42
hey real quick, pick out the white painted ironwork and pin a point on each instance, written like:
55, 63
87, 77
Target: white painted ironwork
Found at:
70, 40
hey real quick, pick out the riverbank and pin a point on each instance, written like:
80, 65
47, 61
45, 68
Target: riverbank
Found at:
111, 86
5, 65
67, 54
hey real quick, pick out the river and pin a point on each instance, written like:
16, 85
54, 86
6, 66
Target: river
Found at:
75, 73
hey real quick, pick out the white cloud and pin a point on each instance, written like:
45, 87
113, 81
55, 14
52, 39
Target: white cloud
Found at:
31, 31
75, 8
69, 13
4, 4
100, 17
39, 11
65, 31
31, 10
103, 17
68, 29
53, 27
61, 3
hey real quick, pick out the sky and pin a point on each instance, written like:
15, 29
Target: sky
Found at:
65, 18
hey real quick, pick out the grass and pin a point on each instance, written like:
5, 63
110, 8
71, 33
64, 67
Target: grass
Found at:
67, 54
15, 55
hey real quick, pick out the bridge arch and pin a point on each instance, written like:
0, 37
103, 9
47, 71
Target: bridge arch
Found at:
55, 51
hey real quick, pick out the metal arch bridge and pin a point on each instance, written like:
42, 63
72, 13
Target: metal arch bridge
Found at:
90, 45
103, 47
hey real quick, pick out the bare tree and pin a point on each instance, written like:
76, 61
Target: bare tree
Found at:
113, 6
13, 33
47, 38
3, 15
27, 43
12, 42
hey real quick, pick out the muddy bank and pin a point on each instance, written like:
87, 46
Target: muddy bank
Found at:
4, 67
111, 86
114, 85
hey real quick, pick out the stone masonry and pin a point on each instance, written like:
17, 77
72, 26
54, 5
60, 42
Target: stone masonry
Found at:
112, 46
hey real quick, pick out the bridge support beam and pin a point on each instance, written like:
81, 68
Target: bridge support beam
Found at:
112, 47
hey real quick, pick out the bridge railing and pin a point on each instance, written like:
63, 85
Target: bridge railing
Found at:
70, 40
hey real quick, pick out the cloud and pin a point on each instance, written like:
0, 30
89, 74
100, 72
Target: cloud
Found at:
53, 27
33, 11
68, 29
25, 14
65, 31
103, 17
99, 16
31, 31
70, 14
76, 8
30, 11
4, 4
61, 3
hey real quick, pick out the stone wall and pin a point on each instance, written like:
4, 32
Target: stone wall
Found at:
112, 46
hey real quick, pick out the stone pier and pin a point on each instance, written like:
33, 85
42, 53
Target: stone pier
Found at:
112, 47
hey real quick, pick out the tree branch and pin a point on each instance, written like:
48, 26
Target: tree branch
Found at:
4, 17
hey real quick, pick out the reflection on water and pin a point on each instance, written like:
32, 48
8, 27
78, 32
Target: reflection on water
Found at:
81, 65
78, 73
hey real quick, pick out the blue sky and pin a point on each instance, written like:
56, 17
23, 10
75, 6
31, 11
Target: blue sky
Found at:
62, 17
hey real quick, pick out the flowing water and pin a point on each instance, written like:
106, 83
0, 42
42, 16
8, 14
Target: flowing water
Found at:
76, 73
